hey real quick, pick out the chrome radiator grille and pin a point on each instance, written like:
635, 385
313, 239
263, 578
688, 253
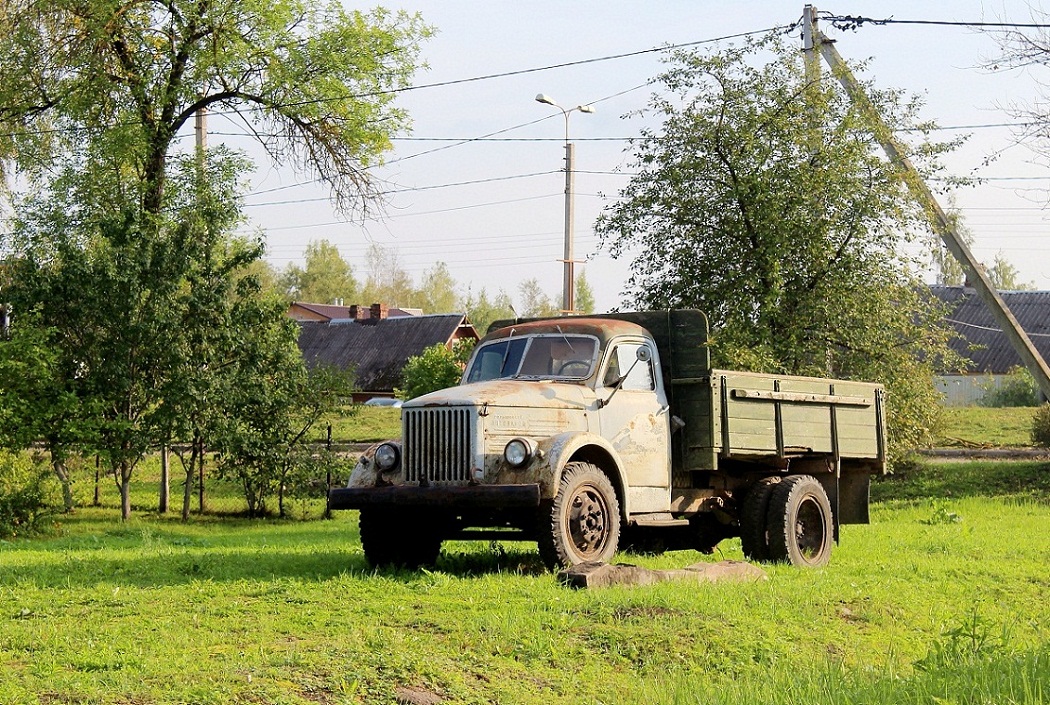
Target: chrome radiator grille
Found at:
437, 445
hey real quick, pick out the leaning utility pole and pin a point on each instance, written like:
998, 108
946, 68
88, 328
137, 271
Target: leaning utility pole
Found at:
815, 41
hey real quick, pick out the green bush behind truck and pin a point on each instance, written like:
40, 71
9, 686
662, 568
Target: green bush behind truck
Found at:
587, 433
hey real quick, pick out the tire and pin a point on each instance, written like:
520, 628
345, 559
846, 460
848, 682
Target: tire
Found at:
800, 522
754, 535
582, 523
393, 540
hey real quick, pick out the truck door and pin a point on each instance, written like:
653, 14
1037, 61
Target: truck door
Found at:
635, 421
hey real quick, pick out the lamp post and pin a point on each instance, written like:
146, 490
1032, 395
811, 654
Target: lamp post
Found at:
569, 280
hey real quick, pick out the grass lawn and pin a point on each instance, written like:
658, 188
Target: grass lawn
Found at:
983, 427
942, 599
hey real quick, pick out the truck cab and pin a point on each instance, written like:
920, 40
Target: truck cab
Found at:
579, 433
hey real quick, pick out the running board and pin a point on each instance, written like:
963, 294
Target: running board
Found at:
657, 520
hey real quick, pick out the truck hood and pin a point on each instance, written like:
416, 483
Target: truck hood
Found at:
547, 394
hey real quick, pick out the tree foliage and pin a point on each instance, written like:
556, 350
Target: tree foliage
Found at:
326, 276
766, 202
437, 291
1002, 273
482, 311
270, 406
118, 81
436, 368
126, 301
123, 258
24, 498
584, 294
535, 302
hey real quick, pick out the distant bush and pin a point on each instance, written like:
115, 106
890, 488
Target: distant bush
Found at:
23, 494
1017, 389
1041, 426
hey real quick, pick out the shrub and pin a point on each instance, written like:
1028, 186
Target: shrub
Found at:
1041, 426
1017, 389
23, 494
437, 368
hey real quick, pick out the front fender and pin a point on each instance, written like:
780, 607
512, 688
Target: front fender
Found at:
365, 473
565, 448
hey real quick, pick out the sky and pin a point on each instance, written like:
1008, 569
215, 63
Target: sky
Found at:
492, 208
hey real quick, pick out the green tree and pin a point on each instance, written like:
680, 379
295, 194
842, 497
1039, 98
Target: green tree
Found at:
765, 201
387, 281
315, 82
583, 294
437, 293
221, 281
93, 98
436, 368
38, 397
273, 403
325, 277
1003, 274
121, 293
1005, 277
481, 311
535, 303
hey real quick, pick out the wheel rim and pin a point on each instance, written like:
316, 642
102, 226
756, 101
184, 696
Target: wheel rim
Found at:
588, 522
811, 533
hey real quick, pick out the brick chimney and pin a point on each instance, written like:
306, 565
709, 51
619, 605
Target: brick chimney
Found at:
378, 312
358, 313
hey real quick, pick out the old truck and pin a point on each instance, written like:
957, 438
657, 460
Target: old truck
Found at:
585, 433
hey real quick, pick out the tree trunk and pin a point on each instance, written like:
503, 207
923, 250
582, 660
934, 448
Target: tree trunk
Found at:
187, 489
58, 465
97, 501
200, 477
125, 490
280, 497
165, 481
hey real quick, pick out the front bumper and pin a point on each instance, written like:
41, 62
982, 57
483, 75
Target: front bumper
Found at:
470, 497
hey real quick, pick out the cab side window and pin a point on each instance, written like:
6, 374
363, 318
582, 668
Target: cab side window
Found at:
624, 357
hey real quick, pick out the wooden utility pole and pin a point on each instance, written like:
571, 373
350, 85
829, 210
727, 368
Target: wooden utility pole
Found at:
941, 223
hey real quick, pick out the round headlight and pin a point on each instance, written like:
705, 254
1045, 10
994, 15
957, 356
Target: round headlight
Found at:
518, 452
387, 457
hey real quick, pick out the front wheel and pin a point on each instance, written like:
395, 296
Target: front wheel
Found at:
582, 523
799, 522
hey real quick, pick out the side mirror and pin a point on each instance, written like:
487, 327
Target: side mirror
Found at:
642, 354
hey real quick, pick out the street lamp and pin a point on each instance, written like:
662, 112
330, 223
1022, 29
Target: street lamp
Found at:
568, 284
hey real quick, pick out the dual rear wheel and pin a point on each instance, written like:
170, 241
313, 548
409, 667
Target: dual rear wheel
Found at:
787, 520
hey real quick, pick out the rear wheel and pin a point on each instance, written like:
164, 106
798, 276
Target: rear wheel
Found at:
800, 522
393, 539
754, 536
582, 523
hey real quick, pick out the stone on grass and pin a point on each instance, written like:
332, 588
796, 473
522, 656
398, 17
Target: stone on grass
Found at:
593, 575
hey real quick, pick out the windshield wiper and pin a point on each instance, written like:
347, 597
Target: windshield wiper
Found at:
506, 353
566, 339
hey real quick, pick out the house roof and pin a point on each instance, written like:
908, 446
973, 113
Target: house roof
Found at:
982, 339
376, 350
338, 312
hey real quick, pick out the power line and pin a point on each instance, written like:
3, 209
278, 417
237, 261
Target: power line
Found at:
537, 69
854, 22
456, 208
411, 189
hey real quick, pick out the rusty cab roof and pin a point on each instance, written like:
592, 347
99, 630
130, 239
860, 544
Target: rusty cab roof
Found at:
604, 329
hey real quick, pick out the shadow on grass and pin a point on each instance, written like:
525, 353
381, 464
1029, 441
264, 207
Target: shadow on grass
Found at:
159, 553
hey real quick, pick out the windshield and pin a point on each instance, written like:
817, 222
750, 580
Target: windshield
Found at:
552, 356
